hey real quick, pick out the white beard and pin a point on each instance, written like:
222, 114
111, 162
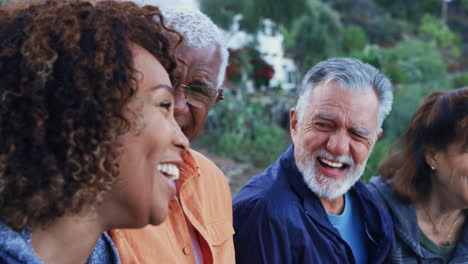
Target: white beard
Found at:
325, 187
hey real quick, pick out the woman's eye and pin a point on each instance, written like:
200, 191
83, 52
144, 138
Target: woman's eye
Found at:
166, 105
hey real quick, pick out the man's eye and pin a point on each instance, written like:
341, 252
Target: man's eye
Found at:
200, 89
358, 135
323, 125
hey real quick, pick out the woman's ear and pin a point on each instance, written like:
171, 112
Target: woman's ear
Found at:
431, 158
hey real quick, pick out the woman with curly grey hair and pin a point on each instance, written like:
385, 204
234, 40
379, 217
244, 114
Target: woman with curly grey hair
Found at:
88, 140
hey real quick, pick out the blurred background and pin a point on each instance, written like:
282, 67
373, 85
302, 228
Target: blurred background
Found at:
422, 45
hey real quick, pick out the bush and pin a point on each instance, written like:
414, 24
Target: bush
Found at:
354, 39
379, 152
266, 144
460, 80
385, 30
465, 5
241, 129
371, 54
414, 61
435, 30
313, 36
260, 146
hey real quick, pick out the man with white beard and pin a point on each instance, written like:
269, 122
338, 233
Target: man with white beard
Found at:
309, 206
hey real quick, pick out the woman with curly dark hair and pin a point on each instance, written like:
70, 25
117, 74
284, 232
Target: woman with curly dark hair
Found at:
424, 183
88, 141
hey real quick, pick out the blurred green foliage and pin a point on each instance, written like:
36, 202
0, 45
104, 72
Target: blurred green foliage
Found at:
460, 80
223, 12
435, 30
354, 39
410, 10
465, 5
406, 40
241, 129
313, 36
415, 61
386, 30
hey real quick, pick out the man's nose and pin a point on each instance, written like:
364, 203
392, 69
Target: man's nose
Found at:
180, 104
338, 144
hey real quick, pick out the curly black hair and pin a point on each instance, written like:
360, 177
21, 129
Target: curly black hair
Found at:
66, 75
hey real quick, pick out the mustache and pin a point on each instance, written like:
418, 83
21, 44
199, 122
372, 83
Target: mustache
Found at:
328, 155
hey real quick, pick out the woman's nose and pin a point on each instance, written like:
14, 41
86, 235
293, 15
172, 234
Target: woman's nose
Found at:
180, 140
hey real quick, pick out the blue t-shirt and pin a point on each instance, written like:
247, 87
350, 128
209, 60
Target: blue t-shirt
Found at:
351, 227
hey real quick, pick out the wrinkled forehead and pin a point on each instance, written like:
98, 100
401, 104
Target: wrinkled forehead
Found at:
206, 62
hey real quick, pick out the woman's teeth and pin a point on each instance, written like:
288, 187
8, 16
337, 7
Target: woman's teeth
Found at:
170, 171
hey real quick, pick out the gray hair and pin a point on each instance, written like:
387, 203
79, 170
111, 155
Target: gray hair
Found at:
197, 30
351, 74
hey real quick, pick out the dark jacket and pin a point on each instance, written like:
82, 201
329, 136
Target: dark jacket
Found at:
15, 248
278, 219
406, 247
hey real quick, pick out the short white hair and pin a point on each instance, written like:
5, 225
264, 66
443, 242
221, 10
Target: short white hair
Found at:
196, 28
351, 74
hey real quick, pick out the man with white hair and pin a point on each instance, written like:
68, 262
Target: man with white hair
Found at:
199, 226
309, 207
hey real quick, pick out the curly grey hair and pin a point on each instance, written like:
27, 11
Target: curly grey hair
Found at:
350, 74
197, 29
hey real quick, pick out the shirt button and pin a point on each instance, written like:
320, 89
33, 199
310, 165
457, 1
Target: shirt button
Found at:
186, 250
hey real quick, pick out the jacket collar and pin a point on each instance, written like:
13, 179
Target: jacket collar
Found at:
378, 223
406, 223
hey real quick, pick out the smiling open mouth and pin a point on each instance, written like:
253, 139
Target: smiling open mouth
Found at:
332, 164
169, 171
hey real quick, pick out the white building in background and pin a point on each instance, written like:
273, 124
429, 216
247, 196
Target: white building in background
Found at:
270, 46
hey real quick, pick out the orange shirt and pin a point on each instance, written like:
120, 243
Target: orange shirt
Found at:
204, 201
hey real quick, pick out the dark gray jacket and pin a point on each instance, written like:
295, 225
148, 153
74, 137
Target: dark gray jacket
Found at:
405, 246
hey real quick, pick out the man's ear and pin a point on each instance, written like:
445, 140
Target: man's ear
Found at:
293, 122
379, 134
219, 97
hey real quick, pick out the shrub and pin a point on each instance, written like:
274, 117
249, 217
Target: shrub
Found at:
354, 39
380, 150
385, 30
465, 5
267, 142
242, 130
416, 61
435, 30
260, 146
460, 80
313, 36
371, 54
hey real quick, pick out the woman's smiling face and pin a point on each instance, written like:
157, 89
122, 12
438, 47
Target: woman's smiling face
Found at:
151, 151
